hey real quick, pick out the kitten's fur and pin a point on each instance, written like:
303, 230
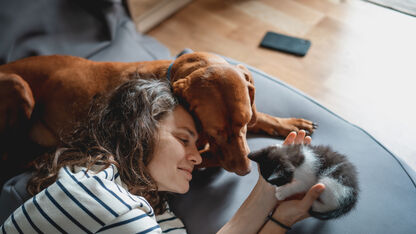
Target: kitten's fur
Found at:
296, 168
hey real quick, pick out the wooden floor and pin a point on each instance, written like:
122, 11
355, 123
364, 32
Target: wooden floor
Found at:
361, 65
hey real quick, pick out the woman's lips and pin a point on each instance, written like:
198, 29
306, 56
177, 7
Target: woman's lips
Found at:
187, 172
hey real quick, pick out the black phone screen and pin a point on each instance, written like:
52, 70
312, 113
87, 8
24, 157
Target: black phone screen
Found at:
284, 43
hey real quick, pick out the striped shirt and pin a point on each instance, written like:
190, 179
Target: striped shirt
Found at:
88, 202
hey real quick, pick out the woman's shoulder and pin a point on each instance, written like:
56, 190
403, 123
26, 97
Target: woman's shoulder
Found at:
103, 186
86, 200
52, 211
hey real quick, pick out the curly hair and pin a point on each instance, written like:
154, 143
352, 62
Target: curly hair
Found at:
121, 129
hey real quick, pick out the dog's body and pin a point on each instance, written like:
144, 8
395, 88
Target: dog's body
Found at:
42, 96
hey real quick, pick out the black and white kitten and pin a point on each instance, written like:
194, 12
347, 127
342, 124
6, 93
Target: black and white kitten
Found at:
296, 168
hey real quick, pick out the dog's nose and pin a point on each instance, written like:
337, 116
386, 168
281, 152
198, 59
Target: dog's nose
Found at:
243, 171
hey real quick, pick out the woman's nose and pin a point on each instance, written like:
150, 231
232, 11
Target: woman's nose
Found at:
194, 156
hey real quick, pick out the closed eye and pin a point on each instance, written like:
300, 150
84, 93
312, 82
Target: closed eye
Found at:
185, 135
183, 140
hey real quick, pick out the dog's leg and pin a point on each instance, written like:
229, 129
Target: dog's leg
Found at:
276, 126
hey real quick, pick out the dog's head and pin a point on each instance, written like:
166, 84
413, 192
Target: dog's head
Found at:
221, 96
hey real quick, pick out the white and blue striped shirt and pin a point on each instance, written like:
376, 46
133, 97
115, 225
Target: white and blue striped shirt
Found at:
88, 202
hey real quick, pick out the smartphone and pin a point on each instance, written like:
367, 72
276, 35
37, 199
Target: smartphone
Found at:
284, 43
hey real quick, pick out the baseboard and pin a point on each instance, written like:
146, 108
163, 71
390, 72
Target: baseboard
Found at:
153, 13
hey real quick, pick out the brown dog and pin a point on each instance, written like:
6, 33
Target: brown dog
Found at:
42, 96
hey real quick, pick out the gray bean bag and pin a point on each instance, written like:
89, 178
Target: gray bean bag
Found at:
102, 30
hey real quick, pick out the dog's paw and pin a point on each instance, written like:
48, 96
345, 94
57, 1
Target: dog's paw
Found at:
283, 126
275, 126
287, 125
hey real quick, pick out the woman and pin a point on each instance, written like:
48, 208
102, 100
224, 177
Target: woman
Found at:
113, 173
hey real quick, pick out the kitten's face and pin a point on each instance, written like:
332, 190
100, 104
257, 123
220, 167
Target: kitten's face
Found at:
274, 165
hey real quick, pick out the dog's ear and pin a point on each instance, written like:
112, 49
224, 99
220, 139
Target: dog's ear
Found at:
251, 93
181, 86
17, 101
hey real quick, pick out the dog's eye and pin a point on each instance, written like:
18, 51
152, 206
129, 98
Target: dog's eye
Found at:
222, 136
221, 133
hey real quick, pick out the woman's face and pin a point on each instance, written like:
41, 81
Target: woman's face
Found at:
175, 154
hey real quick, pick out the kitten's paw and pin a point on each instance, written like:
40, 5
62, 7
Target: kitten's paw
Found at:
280, 195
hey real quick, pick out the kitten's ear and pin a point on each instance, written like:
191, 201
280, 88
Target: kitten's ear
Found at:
258, 155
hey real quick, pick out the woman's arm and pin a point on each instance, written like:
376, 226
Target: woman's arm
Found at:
251, 217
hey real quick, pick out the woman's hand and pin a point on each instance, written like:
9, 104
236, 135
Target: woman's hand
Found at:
296, 207
291, 211
262, 200
297, 138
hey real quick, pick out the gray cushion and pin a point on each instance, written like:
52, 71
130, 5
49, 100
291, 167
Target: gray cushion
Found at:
94, 29
387, 202
13, 195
